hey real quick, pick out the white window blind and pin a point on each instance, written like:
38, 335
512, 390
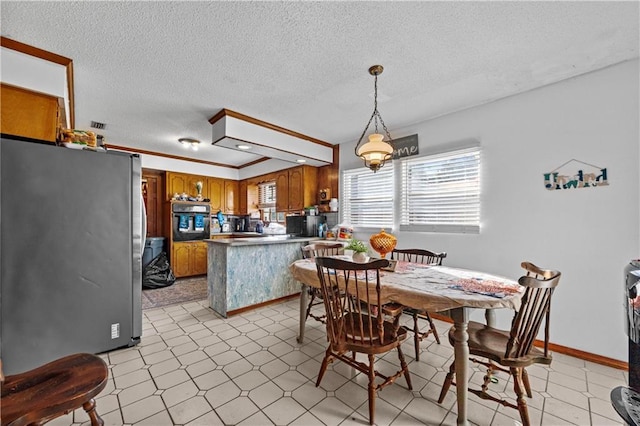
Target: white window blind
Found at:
441, 193
367, 197
266, 195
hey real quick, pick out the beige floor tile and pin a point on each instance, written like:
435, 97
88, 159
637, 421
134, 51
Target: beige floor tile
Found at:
179, 393
142, 409
331, 411
161, 419
132, 378
565, 411
250, 380
308, 395
290, 380
237, 410
164, 367
258, 419
171, 379
136, 392
265, 394
221, 394
189, 410
425, 411
211, 379
284, 411
568, 395
307, 419
201, 367
127, 367
209, 419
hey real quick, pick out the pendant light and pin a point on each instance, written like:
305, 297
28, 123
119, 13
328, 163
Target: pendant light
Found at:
376, 152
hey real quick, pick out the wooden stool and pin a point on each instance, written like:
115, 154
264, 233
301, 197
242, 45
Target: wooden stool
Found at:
54, 389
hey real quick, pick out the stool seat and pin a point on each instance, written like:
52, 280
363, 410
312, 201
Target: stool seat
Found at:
54, 389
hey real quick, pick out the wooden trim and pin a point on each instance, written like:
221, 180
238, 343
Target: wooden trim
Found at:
177, 157
261, 305
51, 57
227, 112
585, 356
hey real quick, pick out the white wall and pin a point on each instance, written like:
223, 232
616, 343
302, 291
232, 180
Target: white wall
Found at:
588, 234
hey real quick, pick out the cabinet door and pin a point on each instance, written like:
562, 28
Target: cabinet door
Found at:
242, 197
176, 184
199, 258
181, 259
282, 191
296, 189
230, 194
215, 188
192, 191
29, 114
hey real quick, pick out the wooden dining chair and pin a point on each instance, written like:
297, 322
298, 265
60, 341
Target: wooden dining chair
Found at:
52, 390
425, 257
355, 323
311, 251
514, 349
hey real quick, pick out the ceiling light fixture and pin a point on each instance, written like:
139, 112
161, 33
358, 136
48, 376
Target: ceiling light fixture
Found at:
301, 160
190, 143
243, 147
376, 152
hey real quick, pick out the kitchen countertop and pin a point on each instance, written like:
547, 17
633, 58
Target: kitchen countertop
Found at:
252, 241
237, 234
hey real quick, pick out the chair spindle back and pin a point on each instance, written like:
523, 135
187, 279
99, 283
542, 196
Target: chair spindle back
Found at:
351, 294
536, 306
311, 251
426, 257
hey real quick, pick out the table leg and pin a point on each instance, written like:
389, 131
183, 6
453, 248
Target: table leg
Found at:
303, 311
490, 317
461, 353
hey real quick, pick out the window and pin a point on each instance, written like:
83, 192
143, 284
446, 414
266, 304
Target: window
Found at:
433, 193
367, 198
267, 201
441, 192
267, 195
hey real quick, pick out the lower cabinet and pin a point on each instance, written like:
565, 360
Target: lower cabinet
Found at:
189, 258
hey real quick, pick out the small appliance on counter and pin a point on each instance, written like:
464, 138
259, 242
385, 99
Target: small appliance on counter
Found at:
304, 226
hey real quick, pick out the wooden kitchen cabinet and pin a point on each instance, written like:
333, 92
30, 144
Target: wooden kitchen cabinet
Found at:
296, 188
189, 258
176, 184
215, 191
29, 114
242, 197
231, 189
191, 185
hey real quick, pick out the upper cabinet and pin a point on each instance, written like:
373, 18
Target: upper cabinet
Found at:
296, 188
231, 188
39, 71
29, 114
242, 197
216, 194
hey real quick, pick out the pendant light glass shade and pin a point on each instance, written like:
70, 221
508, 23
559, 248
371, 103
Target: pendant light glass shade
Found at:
376, 152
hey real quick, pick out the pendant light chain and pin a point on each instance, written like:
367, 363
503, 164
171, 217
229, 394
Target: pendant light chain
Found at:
376, 152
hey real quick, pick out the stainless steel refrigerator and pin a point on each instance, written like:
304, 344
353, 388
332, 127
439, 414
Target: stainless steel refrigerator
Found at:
71, 240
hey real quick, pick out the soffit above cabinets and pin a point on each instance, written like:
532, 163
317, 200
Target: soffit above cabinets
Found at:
231, 129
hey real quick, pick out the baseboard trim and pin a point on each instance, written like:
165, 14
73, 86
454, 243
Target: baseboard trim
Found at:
586, 356
262, 304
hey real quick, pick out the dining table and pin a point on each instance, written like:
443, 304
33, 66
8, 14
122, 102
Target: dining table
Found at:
432, 288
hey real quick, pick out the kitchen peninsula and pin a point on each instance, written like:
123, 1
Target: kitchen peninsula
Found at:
243, 272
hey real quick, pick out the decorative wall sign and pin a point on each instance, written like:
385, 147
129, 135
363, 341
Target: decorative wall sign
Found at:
594, 176
405, 147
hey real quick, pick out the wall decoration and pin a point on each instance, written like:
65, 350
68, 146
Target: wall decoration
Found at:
405, 147
593, 176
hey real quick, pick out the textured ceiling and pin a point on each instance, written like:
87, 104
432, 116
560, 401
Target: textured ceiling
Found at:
157, 71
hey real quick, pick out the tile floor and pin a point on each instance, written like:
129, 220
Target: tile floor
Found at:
195, 368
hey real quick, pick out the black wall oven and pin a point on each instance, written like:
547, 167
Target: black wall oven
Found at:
190, 221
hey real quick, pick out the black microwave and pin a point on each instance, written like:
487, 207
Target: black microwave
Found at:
304, 226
